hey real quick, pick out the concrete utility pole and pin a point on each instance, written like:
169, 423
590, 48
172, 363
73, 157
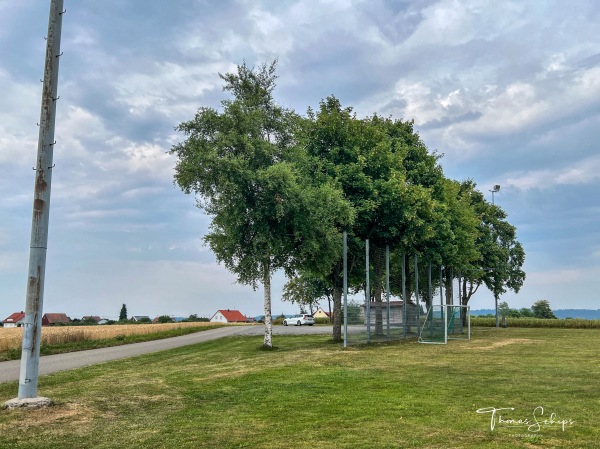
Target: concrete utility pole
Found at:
32, 323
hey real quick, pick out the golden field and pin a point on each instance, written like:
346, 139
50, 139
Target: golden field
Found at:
10, 338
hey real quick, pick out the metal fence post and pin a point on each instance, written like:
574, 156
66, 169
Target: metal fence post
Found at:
404, 299
367, 292
387, 286
345, 289
417, 290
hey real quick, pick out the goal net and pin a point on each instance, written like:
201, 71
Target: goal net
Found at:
445, 322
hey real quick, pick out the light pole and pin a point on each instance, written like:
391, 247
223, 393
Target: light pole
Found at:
496, 189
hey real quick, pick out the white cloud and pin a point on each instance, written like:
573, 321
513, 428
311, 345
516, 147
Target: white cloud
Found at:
454, 22
140, 192
271, 34
559, 276
18, 117
149, 159
586, 171
171, 89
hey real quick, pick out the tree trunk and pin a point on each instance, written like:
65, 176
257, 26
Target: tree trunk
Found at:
378, 309
329, 302
448, 284
268, 340
337, 314
407, 273
377, 285
467, 295
464, 300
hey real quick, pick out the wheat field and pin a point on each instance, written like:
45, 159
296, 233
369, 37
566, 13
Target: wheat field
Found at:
10, 338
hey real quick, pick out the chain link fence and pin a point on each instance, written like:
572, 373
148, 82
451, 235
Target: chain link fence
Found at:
388, 294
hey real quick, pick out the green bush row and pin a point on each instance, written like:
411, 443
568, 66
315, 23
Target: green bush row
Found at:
571, 323
322, 321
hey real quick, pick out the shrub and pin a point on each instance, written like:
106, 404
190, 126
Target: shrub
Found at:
322, 321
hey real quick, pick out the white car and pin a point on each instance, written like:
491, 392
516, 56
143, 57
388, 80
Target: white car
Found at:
299, 320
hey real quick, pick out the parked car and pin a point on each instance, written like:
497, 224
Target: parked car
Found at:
299, 320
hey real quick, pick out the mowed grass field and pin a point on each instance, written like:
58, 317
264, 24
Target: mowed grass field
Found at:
310, 393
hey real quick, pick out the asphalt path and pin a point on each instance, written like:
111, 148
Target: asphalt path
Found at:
9, 371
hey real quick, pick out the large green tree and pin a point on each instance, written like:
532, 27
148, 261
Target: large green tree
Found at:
541, 309
307, 291
243, 164
387, 175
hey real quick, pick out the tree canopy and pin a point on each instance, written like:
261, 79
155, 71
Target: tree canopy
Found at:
541, 309
267, 211
280, 189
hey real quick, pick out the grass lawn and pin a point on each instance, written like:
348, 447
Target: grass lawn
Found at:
310, 393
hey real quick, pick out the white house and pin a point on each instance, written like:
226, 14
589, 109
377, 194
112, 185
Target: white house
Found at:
228, 316
15, 320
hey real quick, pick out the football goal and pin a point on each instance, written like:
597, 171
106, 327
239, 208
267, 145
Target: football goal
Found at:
445, 322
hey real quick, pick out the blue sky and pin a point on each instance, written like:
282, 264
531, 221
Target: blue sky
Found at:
508, 91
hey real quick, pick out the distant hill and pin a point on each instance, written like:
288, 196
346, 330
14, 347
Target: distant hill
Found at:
586, 314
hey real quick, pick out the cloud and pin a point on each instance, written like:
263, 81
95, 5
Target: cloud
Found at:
586, 171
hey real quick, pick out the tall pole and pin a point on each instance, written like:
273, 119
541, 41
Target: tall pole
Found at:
32, 323
387, 286
417, 290
430, 289
345, 289
368, 291
404, 298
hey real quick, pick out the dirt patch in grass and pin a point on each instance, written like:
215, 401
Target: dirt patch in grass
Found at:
72, 414
502, 343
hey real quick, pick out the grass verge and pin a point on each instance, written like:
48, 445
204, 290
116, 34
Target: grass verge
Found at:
311, 394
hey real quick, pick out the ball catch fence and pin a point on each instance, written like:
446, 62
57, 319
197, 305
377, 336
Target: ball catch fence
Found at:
391, 293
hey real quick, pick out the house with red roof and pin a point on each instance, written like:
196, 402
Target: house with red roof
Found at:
228, 316
52, 319
15, 320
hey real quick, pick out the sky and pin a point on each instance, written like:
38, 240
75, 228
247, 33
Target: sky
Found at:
508, 92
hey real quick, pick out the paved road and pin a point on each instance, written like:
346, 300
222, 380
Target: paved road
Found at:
9, 371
